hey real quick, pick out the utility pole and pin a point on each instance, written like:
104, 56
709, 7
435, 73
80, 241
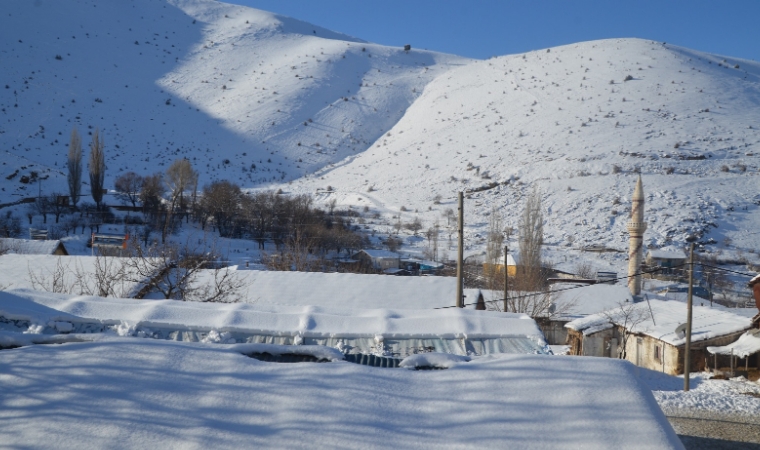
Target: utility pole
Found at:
506, 278
460, 255
687, 349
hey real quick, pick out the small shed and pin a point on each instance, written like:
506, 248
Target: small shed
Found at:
649, 335
32, 247
747, 347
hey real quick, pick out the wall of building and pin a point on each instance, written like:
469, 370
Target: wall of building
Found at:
643, 351
554, 331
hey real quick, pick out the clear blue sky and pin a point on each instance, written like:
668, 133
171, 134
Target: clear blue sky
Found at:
484, 28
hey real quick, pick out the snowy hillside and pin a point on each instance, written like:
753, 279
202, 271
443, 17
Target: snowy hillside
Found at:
269, 101
244, 94
567, 120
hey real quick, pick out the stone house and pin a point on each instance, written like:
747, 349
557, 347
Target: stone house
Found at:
649, 334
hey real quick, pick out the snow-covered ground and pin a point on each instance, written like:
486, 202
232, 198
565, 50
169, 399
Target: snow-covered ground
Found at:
142, 393
735, 396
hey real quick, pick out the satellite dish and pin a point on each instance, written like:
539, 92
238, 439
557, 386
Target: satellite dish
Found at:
681, 330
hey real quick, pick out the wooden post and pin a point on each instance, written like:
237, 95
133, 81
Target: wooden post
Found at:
460, 255
687, 350
506, 278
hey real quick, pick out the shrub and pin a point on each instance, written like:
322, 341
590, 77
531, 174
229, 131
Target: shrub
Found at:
669, 170
628, 78
724, 169
615, 168
403, 208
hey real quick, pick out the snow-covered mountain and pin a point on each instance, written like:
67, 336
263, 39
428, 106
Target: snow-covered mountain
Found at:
580, 122
269, 101
244, 94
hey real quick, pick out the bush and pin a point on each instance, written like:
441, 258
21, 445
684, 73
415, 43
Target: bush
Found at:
628, 78
669, 170
615, 168
724, 169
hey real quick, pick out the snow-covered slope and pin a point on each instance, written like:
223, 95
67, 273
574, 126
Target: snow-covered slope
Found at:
565, 119
244, 94
262, 100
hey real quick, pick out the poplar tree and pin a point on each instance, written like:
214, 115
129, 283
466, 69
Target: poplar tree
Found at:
97, 168
74, 164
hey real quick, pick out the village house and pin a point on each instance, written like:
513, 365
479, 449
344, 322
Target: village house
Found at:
570, 301
32, 247
668, 260
650, 334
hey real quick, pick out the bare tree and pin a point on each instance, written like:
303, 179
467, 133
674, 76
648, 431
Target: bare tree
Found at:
10, 225
182, 272
179, 177
128, 187
414, 226
531, 241
97, 168
58, 205
583, 269
74, 165
222, 200
627, 316
42, 206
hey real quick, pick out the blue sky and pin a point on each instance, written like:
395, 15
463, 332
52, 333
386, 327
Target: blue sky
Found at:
484, 28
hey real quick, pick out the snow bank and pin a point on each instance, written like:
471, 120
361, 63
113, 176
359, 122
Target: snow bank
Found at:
159, 394
433, 360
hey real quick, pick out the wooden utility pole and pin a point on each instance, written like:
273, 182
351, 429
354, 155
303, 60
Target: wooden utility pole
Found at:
460, 255
506, 278
687, 349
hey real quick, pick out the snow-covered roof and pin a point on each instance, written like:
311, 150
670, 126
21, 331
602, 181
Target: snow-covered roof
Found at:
29, 247
194, 395
667, 254
747, 344
707, 323
344, 290
572, 301
308, 321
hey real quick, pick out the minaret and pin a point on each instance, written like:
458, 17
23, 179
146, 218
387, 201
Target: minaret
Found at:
636, 228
